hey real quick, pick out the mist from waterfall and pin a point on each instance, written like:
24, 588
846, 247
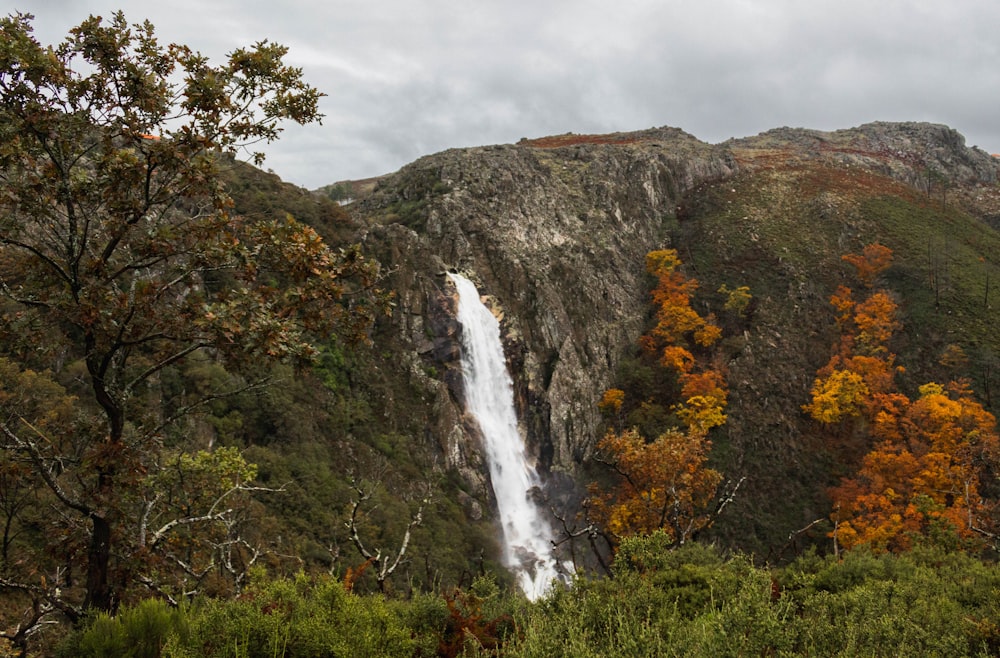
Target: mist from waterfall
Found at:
527, 534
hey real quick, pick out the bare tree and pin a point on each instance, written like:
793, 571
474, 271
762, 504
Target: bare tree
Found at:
383, 562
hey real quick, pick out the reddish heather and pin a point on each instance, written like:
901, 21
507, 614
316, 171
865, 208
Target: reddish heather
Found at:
571, 139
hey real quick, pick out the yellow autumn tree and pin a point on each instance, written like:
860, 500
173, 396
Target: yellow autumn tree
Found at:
836, 396
862, 368
925, 474
611, 402
664, 483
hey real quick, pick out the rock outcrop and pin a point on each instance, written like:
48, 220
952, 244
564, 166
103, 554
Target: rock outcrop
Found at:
923, 155
556, 237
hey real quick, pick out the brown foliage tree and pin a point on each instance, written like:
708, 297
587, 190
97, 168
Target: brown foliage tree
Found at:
664, 484
119, 260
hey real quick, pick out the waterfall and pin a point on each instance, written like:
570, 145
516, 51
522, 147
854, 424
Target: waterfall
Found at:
489, 392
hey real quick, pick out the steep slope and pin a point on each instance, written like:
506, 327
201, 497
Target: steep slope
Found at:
556, 236
554, 231
801, 200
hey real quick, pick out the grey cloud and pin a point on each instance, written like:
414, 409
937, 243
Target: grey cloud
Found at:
410, 77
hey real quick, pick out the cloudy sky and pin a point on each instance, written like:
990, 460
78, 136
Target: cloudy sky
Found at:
406, 78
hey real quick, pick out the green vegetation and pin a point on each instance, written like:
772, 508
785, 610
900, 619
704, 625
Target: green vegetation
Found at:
416, 191
338, 192
692, 601
165, 423
944, 277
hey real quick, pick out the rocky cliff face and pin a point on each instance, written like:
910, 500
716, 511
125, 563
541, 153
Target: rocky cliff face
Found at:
554, 233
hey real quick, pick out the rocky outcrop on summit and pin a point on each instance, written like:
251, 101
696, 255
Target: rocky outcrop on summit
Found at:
555, 235
919, 154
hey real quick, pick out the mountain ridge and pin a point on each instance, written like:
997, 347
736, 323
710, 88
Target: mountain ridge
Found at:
554, 231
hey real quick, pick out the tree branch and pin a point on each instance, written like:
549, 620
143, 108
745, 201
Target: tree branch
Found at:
383, 569
43, 470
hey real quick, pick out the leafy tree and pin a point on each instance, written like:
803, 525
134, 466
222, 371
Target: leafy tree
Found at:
875, 318
862, 368
611, 402
678, 332
675, 319
737, 300
924, 476
119, 260
664, 483
874, 259
840, 394
925, 459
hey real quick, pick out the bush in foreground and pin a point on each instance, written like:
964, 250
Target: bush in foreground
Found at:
692, 601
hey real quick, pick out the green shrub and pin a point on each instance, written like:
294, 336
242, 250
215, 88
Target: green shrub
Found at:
137, 632
296, 618
691, 601
288, 618
927, 602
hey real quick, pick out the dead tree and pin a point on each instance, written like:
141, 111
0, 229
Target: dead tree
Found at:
382, 563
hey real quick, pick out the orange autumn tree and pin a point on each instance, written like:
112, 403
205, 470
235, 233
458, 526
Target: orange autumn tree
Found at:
679, 330
861, 372
924, 475
665, 483
675, 319
874, 259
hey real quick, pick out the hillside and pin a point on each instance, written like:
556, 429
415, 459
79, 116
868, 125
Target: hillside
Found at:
554, 231
801, 200
362, 473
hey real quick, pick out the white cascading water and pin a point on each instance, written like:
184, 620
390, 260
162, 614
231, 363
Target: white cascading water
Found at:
527, 534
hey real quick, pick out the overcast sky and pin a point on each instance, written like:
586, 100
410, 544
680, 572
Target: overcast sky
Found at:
406, 78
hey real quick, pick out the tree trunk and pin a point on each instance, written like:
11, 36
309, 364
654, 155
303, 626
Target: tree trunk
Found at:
99, 594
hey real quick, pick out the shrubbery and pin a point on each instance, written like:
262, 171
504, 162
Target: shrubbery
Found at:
289, 617
692, 601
